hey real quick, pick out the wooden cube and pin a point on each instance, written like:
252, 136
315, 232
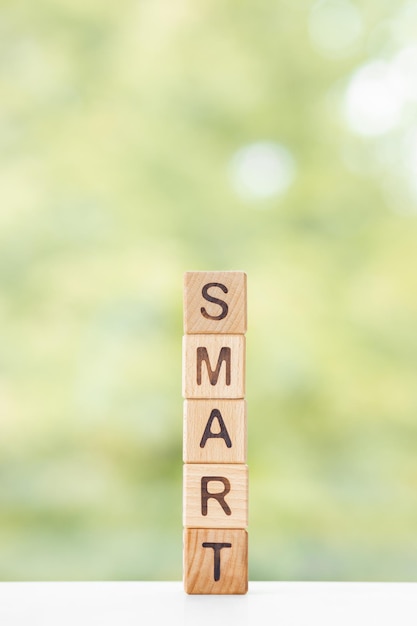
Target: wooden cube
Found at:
215, 561
215, 431
215, 495
215, 302
213, 366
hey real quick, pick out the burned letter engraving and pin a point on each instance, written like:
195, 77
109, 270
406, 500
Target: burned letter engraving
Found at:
225, 355
209, 298
208, 433
206, 495
216, 549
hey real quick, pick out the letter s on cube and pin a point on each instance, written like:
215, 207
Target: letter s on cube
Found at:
215, 302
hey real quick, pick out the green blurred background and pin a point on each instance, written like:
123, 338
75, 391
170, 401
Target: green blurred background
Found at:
143, 138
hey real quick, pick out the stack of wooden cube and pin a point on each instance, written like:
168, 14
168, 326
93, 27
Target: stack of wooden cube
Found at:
215, 490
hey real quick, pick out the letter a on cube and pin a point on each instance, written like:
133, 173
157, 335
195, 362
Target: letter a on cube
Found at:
215, 431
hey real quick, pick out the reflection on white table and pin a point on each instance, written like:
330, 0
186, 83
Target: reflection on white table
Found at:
148, 603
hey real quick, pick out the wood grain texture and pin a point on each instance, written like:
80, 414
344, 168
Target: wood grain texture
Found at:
215, 302
213, 366
215, 431
215, 495
215, 561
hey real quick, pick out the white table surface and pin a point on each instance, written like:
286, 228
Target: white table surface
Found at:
165, 603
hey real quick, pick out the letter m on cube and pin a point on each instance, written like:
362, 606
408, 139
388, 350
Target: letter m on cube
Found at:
214, 366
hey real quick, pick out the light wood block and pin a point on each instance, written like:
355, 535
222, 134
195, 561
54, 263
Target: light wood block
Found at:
215, 431
213, 366
215, 561
215, 302
215, 495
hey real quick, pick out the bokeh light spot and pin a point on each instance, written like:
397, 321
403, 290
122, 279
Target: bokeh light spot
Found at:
374, 98
262, 170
